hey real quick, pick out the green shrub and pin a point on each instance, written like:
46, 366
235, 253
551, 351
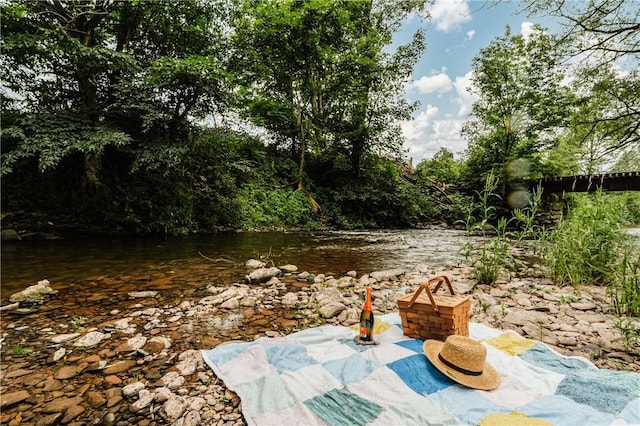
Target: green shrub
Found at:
585, 245
274, 208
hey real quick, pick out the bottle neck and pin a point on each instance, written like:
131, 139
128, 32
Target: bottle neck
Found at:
367, 301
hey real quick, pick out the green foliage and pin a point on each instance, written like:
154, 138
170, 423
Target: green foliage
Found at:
318, 74
378, 198
442, 167
52, 137
21, 351
628, 333
521, 104
492, 254
585, 246
274, 208
624, 288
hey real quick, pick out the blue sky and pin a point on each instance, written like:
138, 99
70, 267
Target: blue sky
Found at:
456, 32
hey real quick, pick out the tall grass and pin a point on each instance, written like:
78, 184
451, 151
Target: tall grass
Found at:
588, 246
494, 253
584, 246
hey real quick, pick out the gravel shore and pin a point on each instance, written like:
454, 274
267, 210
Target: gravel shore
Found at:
133, 358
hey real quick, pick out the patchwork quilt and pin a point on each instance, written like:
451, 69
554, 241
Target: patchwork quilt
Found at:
320, 376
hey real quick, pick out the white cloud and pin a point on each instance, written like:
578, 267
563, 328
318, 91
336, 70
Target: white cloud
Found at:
427, 133
440, 83
448, 15
527, 29
470, 34
465, 98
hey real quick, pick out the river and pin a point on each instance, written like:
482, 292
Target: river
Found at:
174, 264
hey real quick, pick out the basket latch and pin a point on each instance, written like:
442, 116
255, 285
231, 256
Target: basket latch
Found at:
425, 286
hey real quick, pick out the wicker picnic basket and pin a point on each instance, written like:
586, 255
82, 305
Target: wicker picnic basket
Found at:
426, 315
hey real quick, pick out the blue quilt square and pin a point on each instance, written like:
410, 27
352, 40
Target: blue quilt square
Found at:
412, 344
608, 391
544, 357
288, 357
350, 369
418, 373
341, 407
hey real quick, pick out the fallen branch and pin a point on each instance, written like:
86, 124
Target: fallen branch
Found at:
220, 259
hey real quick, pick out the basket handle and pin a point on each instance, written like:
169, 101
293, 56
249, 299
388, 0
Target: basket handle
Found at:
425, 286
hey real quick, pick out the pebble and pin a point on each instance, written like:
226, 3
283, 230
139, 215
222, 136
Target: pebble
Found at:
152, 371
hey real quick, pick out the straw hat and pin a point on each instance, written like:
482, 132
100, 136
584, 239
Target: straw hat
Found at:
463, 360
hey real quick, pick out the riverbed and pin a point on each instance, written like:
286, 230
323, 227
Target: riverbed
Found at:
89, 264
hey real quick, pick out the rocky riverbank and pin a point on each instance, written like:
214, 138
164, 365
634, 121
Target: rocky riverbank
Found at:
133, 358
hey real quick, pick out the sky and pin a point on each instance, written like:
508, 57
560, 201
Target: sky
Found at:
456, 32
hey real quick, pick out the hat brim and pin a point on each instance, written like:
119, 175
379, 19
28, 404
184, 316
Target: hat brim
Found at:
488, 380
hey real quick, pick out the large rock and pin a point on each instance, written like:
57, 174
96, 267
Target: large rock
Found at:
387, 275
90, 339
331, 309
10, 235
254, 264
263, 275
33, 294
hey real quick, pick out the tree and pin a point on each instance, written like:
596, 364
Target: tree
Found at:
86, 76
442, 167
316, 73
603, 38
521, 104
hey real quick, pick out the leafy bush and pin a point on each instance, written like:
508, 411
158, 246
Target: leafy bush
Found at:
268, 208
377, 198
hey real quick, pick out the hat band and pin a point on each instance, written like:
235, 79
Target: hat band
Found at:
459, 369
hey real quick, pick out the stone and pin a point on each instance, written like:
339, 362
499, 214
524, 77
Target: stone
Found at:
17, 373
131, 390
263, 275
386, 275
113, 380
59, 405
61, 338
114, 396
524, 317
95, 399
142, 294
109, 419
71, 413
66, 372
119, 367
145, 398
230, 304
331, 309
33, 294
90, 339
290, 299
58, 355
190, 360
10, 235
50, 419
162, 394
586, 306
173, 408
8, 399
192, 418
172, 380
254, 264
288, 268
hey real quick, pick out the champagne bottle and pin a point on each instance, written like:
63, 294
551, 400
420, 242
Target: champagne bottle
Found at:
366, 319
